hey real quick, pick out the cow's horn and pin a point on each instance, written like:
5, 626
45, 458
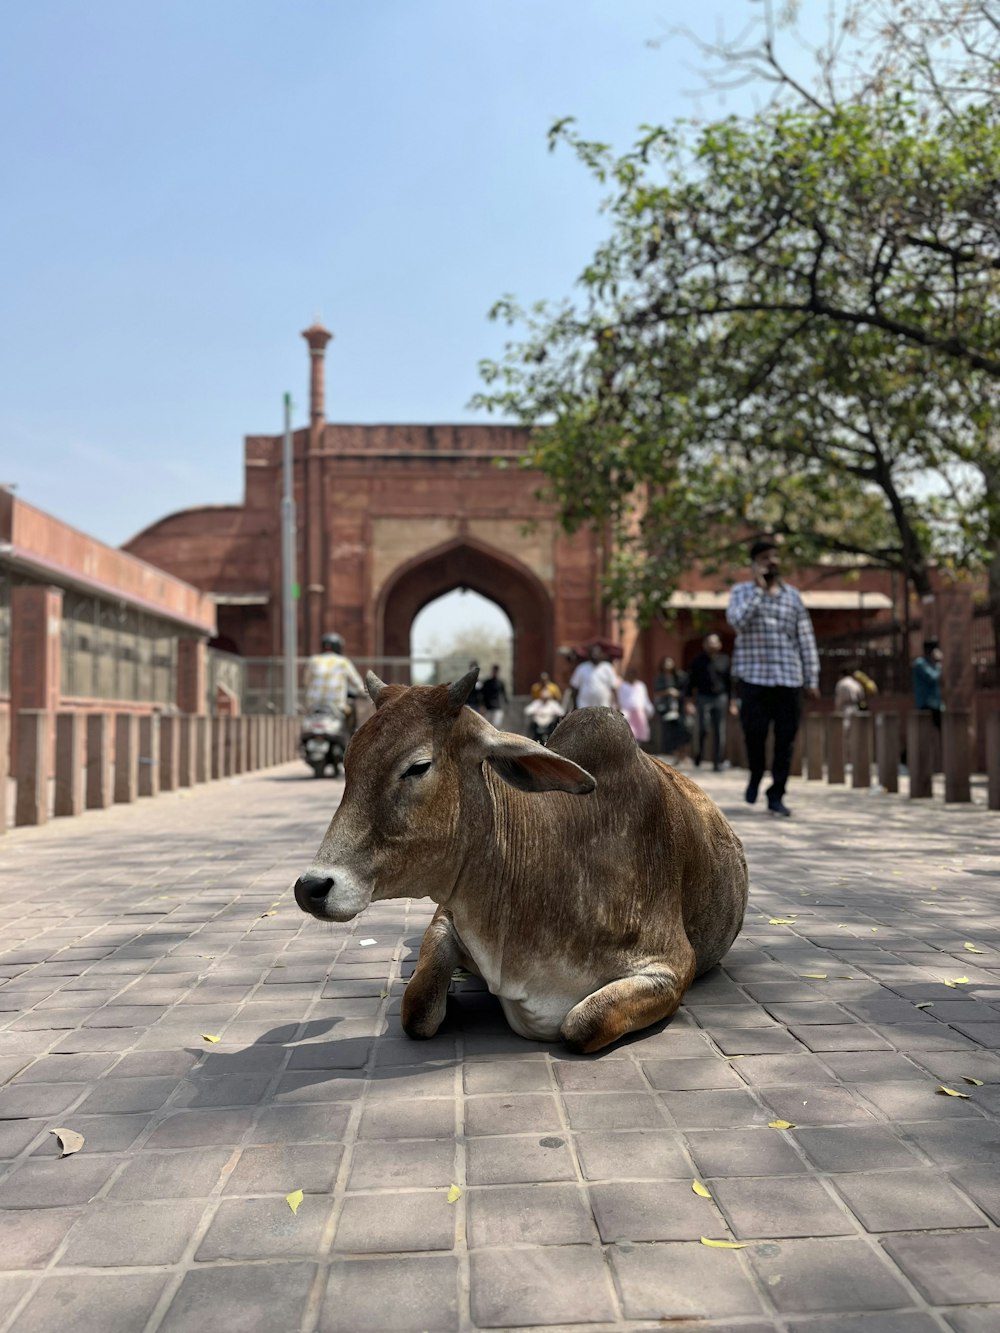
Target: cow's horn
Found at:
374, 686
460, 690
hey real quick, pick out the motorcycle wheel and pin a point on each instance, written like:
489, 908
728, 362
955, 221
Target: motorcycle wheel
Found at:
318, 770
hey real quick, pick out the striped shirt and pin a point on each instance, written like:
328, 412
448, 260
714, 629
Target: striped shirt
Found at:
775, 644
328, 678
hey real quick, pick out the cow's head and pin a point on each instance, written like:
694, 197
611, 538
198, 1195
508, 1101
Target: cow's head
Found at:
414, 781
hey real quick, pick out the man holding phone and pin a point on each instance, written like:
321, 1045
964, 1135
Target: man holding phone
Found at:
775, 658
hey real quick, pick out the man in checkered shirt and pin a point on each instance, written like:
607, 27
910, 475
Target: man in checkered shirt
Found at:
775, 658
329, 677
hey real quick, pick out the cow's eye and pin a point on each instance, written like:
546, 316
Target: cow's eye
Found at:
417, 770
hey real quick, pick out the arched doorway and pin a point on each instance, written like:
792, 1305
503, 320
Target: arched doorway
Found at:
455, 629
466, 563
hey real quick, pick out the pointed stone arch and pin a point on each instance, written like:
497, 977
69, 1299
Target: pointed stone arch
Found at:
465, 562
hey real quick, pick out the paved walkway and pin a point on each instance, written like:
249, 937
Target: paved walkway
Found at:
129, 937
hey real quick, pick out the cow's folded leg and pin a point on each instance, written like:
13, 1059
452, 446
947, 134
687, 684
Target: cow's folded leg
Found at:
426, 994
625, 1005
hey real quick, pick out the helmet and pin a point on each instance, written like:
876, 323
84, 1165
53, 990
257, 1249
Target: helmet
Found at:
332, 643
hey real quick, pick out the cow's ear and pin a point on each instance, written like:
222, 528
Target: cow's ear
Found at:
459, 691
530, 767
374, 686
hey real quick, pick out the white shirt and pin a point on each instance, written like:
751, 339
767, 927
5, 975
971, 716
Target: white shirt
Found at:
633, 696
595, 684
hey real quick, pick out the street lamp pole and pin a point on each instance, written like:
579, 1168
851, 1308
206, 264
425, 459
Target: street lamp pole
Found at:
288, 587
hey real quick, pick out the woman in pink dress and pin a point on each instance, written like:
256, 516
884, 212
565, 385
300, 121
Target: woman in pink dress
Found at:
635, 703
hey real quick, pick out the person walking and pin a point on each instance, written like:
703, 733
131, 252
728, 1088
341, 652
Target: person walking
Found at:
668, 694
709, 686
494, 697
331, 678
775, 658
635, 703
926, 674
594, 682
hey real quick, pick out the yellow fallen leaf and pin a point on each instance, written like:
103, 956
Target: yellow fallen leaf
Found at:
874, 930
971, 948
781, 921
723, 1244
950, 1092
294, 1199
956, 981
454, 1194
780, 1124
700, 1190
813, 976
976, 1082
263, 914
69, 1140
383, 994
209, 1036
924, 1004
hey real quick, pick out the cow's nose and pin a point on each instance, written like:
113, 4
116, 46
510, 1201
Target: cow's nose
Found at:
311, 891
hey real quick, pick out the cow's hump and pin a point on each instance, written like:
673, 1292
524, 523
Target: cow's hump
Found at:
596, 739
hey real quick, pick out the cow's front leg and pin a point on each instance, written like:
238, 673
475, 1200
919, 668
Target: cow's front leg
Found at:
426, 994
626, 1005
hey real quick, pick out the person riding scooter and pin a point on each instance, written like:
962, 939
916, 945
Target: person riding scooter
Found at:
331, 681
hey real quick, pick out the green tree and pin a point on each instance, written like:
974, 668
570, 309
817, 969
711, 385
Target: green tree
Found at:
790, 316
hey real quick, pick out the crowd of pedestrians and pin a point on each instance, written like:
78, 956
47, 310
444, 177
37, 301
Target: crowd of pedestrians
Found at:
774, 665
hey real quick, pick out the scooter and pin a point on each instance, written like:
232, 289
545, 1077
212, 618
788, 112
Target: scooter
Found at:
324, 739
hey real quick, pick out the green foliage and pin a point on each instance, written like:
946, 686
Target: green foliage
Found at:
792, 325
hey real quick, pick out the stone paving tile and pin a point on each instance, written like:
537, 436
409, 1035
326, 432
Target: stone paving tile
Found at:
549, 1285
673, 1282
390, 1296
832, 1274
113, 1303
388, 1224
240, 1298
576, 1172
659, 1210
31, 1238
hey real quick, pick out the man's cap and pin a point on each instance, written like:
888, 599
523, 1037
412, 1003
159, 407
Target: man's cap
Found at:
761, 545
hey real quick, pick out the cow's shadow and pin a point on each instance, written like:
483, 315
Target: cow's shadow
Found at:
320, 1056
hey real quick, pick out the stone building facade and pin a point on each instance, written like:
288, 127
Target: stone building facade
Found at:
392, 516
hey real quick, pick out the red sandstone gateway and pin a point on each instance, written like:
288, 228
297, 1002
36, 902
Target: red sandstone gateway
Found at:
587, 883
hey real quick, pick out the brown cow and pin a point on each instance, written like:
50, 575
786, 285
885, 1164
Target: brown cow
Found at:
586, 883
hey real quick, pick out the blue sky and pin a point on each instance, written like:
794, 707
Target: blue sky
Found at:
187, 184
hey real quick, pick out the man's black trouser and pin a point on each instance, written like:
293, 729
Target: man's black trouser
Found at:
763, 706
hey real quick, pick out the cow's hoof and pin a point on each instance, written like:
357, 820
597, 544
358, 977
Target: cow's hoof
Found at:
422, 1025
580, 1033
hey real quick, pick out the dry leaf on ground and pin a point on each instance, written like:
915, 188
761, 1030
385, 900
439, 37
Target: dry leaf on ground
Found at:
976, 1082
780, 1124
950, 1092
700, 1190
723, 1244
294, 1199
69, 1140
210, 1036
454, 1194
